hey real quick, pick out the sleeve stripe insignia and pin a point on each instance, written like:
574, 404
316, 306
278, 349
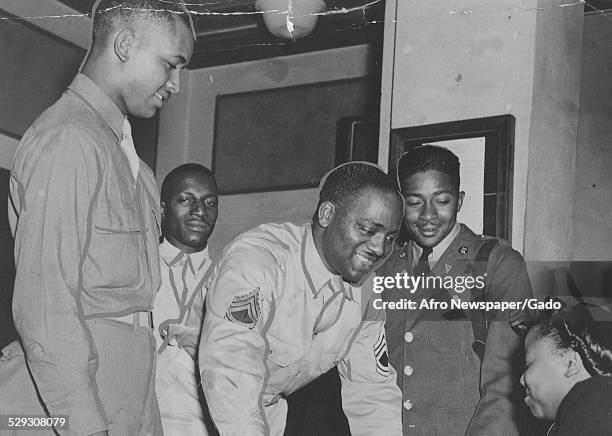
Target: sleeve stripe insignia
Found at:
244, 309
380, 353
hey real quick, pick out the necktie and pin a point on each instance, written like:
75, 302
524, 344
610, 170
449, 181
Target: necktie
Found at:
127, 146
423, 265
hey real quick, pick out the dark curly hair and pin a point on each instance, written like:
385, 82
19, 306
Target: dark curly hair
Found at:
178, 174
107, 14
342, 184
428, 157
585, 329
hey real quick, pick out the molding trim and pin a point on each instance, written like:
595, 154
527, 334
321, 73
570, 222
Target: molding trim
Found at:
54, 17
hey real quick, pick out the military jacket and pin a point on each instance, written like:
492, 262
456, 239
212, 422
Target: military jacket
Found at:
446, 389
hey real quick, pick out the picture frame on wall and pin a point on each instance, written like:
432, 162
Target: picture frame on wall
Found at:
485, 147
285, 138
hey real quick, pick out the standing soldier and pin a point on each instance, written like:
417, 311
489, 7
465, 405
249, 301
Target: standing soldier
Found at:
189, 213
458, 370
84, 212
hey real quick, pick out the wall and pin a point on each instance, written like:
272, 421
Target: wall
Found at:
56, 32
592, 239
54, 17
8, 145
187, 128
465, 59
38, 67
553, 132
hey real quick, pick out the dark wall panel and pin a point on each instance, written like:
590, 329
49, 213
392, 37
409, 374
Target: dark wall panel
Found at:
7, 266
284, 138
36, 68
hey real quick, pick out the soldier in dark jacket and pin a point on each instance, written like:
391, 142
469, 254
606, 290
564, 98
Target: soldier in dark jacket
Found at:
457, 368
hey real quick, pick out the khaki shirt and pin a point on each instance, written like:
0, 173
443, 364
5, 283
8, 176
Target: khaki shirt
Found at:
276, 319
177, 311
182, 288
86, 245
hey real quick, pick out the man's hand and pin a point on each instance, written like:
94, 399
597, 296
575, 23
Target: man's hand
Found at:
185, 337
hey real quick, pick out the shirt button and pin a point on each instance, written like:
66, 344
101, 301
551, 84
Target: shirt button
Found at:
408, 337
408, 404
408, 370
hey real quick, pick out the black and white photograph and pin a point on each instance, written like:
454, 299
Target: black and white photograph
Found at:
306, 217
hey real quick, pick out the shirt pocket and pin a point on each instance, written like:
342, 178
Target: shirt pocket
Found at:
283, 353
116, 248
288, 366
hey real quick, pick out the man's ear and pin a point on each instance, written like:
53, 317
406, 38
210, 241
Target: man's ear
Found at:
460, 200
163, 209
326, 213
574, 364
124, 41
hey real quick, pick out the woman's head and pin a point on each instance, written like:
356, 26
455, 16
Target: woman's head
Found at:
562, 349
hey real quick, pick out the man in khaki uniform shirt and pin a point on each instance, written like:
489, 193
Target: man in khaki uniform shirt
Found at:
286, 303
84, 211
189, 213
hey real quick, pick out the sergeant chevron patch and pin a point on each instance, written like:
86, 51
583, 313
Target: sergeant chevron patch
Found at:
380, 353
244, 309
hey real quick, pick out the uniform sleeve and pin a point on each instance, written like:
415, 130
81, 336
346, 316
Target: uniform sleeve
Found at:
500, 404
371, 399
233, 349
50, 201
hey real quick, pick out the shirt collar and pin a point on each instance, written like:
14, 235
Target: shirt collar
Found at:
99, 102
172, 255
317, 274
439, 249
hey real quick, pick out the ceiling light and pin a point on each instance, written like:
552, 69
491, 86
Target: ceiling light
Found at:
290, 18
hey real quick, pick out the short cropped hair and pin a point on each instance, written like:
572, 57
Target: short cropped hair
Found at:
108, 14
426, 158
342, 184
576, 328
178, 174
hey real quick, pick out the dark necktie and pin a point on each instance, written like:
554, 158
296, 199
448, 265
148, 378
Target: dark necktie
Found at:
423, 265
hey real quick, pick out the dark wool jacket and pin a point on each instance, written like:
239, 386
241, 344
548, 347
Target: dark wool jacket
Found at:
586, 409
446, 389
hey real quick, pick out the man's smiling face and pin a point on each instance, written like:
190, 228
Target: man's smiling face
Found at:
361, 233
432, 203
191, 212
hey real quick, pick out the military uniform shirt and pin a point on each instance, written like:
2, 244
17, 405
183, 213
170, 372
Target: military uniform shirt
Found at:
86, 248
178, 312
276, 319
